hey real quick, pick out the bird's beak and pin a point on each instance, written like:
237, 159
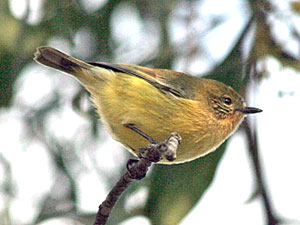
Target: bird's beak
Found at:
249, 110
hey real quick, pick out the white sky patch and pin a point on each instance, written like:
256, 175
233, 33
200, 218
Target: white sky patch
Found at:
92, 191
231, 188
60, 221
19, 8
221, 39
137, 199
216, 42
278, 134
140, 220
135, 39
31, 170
126, 24
84, 43
11, 129
104, 159
33, 85
62, 125
92, 6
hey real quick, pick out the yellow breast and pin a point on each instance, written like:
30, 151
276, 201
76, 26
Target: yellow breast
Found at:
130, 100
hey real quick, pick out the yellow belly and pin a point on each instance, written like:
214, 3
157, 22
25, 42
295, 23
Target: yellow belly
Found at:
130, 100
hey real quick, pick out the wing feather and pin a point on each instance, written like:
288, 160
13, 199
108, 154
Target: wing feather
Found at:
167, 81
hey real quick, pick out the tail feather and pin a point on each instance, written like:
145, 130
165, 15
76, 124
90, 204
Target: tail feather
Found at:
55, 59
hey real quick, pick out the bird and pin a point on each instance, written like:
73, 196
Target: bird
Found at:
135, 102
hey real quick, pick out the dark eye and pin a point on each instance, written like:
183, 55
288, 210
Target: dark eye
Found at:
227, 100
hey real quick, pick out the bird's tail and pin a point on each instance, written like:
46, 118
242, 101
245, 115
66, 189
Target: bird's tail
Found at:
55, 59
83, 71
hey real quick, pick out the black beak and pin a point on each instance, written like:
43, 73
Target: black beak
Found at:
249, 110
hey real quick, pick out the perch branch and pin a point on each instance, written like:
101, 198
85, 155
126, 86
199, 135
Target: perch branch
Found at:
153, 153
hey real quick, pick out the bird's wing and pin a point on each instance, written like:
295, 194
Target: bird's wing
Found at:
167, 81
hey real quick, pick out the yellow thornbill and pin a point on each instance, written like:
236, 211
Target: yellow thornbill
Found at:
156, 102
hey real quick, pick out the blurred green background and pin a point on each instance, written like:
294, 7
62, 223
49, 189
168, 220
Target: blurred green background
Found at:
184, 35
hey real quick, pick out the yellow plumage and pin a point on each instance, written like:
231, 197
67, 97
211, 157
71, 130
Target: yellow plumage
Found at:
158, 102
124, 99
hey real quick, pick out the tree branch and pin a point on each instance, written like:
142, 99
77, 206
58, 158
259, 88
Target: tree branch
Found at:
153, 154
251, 135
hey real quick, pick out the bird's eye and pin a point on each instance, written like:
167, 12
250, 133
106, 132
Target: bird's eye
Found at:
227, 100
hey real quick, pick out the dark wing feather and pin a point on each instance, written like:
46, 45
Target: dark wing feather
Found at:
167, 81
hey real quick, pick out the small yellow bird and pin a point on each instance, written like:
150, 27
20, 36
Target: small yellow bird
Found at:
156, 102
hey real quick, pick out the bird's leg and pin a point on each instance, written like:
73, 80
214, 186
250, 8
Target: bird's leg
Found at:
142, 151
137, 130
155, 151
165, 149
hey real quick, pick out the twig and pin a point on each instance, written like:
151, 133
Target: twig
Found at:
153, 153
251, 135
253, 149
